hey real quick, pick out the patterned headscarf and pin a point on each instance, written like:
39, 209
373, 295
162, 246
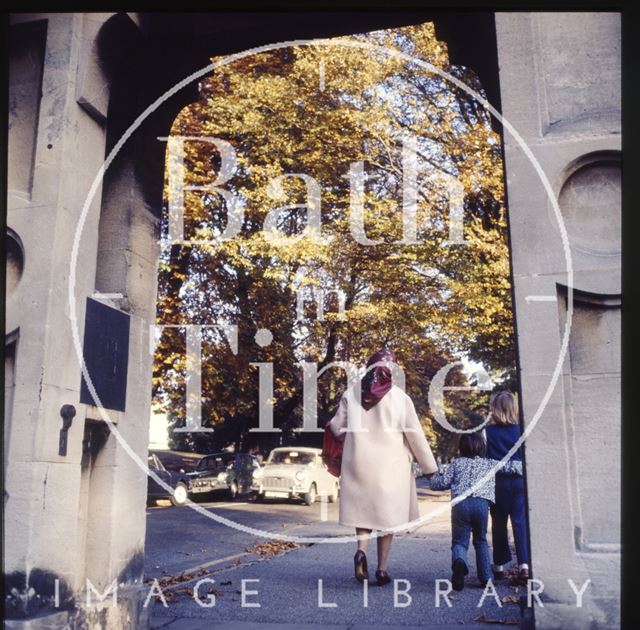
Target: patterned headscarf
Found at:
377, 381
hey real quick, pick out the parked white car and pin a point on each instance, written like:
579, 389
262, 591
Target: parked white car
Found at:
297, 472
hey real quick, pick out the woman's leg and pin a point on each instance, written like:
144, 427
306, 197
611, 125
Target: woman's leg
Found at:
499, 517
363, 543
384, 545
360, 559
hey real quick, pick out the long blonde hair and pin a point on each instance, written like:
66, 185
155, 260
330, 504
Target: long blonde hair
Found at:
504, 408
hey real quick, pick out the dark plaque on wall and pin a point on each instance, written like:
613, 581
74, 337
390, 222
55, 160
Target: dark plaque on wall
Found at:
106, 355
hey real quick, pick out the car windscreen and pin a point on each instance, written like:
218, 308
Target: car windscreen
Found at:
219, 462
291, 457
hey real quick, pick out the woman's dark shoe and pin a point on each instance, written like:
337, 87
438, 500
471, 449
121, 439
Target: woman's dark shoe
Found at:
498, 575
459, 570
360, 566
382, 578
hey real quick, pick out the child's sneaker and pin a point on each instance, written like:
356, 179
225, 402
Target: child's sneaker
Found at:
498, 572
459, 571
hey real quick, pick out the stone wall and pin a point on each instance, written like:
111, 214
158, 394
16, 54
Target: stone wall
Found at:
81, 515
560, 85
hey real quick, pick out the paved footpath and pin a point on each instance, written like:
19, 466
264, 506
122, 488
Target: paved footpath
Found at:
288, 593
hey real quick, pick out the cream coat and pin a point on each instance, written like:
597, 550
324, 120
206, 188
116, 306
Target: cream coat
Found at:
377, 487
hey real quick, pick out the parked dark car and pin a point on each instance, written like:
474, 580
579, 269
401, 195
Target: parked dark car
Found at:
177, 480
178, 461
231, 473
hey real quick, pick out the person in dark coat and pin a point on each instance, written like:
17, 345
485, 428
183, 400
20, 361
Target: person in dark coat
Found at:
502, 434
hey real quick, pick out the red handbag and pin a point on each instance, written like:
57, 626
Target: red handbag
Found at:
332, 451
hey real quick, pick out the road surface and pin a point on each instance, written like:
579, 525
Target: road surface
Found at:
291, 585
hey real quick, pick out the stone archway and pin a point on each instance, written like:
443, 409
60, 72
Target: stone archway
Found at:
77, 82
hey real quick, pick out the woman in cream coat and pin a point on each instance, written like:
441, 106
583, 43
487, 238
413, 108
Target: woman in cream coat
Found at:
382, 434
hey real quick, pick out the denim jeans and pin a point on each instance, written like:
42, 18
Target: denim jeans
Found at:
509, 504
471, 516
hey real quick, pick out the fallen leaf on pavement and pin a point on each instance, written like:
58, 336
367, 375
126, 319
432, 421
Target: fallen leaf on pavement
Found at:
181, 577
169, 596
517, 581
272, 547
509, 599
506, 622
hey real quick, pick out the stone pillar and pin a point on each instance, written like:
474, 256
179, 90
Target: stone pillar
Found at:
79, 516
560, 87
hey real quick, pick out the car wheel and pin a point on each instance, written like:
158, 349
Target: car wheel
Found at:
233, 490
259, 497
310, 497
180, 494
333, 497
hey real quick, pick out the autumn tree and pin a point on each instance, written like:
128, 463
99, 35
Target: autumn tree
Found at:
330, 112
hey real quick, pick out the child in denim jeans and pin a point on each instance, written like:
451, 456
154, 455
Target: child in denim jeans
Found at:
471, 515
